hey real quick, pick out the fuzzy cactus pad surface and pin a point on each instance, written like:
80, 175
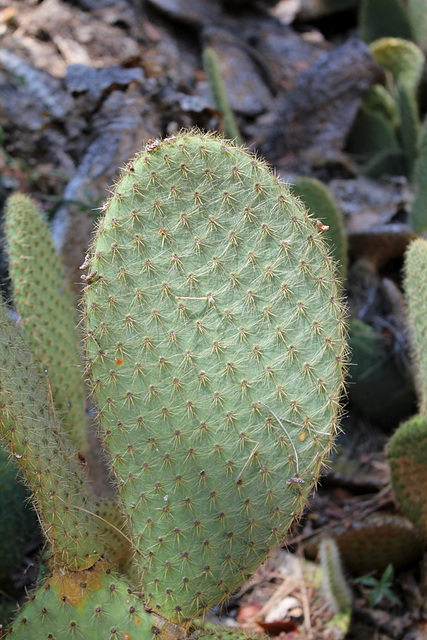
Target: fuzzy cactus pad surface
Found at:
216, 352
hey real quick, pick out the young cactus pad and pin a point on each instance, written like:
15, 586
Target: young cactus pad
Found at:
45, 304
30, 431
215, 349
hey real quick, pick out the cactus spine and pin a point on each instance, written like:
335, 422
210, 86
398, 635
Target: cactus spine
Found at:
45, 304
215, 349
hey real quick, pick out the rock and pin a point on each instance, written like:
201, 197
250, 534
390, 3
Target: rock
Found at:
313, 9
319, 111
96, 82
124, 122
191, 12
240, 67
55, 33
30, 98
286, 52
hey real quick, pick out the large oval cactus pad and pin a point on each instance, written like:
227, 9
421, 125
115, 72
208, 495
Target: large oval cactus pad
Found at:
215, 346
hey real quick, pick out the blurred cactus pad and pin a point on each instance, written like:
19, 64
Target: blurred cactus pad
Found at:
216, 351
408, 446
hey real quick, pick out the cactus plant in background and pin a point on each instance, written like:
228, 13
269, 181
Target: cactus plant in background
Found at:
408, 446
417, 13
335, 586
383, 18
319, 200
18, 522
216, 353
219, 93
386, 132
43, 300
372, 543
418, 213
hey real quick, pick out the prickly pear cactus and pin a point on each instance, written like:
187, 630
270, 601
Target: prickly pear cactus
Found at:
18, 521
45, 304
219, 93
215, 349
320, 201
408, 463
416, 293
30, 430
408, 446
94, 604
383, 18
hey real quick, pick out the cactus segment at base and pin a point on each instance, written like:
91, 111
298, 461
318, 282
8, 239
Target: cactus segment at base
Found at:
95, 605
215, 345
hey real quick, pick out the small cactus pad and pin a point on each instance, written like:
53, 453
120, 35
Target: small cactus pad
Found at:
45, 304
95, 604
335, 586
30, 431
408, 463
321, 203
415, 285
215, 344
373, 543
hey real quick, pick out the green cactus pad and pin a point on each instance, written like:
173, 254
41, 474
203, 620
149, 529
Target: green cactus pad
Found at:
383, 18
373, 543
417, 12
215, 349
31, 432
47, 309
379, 390
18, 521
419, 207
335, 587
415, 285
94, 604
402, 58
213, 72
408, 463
320, 202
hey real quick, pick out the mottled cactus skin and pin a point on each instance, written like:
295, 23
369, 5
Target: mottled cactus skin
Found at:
94, 604
215, 350
47, 309
30, 431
